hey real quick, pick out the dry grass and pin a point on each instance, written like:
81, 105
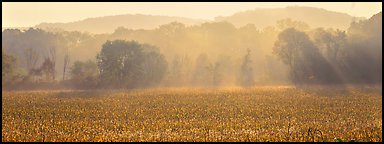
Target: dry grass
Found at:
227, 114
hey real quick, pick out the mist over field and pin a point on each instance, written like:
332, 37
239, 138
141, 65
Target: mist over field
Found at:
269, 74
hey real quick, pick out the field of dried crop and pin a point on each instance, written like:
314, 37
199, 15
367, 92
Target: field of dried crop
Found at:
192, 114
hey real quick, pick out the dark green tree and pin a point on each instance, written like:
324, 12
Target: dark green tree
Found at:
306, 63
129, 64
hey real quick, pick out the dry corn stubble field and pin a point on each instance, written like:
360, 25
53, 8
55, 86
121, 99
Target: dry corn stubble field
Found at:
225, 114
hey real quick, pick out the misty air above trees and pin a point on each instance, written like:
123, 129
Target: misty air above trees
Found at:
209, 54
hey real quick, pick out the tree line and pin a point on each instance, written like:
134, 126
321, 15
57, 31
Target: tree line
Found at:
205, 55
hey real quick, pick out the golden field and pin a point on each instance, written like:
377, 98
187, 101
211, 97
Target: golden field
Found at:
194, 114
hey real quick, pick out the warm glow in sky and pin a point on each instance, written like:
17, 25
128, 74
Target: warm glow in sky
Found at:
32, 13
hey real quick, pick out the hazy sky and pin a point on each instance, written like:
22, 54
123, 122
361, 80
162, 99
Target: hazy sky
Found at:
17, 14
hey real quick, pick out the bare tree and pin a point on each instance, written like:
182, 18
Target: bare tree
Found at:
246, 72
50, 59
214, 70
31, 58
66, 62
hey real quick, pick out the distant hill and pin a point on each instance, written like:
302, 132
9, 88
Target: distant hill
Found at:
261, 17
314, 17
108, 24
